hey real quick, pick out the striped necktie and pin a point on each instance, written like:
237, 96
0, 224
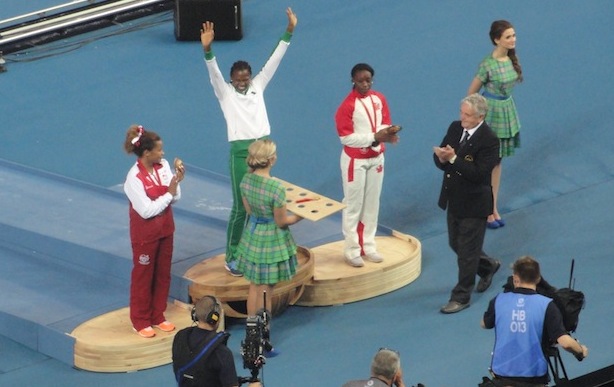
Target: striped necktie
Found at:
463, 141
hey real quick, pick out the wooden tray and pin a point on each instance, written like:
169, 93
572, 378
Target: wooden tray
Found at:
309, 204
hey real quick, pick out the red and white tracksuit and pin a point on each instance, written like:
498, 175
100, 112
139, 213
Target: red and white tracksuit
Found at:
151, 232
358, 118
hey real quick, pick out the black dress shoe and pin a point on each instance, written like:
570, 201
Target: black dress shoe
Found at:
485, 281
453, 307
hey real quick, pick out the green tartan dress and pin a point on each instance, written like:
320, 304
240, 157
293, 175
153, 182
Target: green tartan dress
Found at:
266, 252
498, 80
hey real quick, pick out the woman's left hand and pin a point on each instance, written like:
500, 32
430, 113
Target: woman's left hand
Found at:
388, 134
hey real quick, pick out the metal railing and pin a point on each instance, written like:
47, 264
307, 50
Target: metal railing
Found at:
45, 12
47, 22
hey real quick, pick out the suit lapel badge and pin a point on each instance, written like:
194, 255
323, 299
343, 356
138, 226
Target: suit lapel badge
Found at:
469, 158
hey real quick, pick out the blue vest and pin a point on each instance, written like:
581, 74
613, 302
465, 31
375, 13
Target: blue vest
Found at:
519, 325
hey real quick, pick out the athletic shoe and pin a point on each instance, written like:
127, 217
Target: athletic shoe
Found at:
232, 269
355, 262
374, 257
165, 326
147, 333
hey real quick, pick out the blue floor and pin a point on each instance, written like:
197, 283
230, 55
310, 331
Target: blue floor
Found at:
66, 116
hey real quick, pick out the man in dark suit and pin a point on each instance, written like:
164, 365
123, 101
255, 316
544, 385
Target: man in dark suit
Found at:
467, 155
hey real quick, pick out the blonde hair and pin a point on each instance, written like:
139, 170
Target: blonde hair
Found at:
260, 153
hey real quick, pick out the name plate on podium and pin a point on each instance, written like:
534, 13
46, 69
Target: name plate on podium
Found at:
308, 204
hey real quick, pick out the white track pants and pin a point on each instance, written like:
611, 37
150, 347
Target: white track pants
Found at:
362, 185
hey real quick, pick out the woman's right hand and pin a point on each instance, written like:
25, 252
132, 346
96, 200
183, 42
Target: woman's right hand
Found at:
292, 20
172, 186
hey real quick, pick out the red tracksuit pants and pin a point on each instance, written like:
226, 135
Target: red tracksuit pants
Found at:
150, 281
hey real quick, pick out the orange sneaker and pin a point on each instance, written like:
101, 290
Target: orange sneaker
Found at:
147, 333
166, 326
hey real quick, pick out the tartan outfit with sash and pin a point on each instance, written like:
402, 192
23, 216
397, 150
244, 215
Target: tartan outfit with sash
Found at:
498, 81
266, 252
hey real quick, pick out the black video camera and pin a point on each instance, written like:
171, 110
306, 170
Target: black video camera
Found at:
255, 343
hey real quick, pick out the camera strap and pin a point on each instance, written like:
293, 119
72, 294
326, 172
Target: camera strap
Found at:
198, 357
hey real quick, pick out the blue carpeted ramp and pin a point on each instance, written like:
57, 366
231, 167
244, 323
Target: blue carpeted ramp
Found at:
69, 254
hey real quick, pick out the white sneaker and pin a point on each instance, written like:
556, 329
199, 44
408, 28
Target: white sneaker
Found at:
355, 262
374, 257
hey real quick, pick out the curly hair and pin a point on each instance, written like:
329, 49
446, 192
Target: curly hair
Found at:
138, 140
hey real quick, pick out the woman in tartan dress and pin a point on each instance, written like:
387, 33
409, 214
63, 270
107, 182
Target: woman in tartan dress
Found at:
497, 75
267, 252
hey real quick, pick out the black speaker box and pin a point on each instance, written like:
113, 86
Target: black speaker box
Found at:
190, 15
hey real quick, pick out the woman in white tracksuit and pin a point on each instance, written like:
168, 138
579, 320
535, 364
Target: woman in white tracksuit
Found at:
363, 124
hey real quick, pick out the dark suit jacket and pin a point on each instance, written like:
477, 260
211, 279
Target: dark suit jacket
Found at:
466, 190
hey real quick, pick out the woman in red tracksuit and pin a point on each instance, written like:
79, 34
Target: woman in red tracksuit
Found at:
151, 188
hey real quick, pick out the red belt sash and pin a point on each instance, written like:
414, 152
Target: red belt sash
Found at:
360, 153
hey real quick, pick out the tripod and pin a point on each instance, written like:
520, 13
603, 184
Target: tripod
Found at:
555, 363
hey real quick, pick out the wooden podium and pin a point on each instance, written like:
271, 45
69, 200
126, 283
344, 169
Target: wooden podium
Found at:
335, 282
209, 277
107, 343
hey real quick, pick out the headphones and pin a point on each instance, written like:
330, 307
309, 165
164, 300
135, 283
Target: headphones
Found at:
213, 317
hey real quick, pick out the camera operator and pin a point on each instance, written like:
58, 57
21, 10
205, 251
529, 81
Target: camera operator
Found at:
525, 322
200, 355
385, 371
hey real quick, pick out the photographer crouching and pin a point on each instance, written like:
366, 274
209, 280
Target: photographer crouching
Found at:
524, 321
200, 355
385, 371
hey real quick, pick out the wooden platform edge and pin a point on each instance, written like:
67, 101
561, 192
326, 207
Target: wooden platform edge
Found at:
108, 344
373, 282
210, 278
